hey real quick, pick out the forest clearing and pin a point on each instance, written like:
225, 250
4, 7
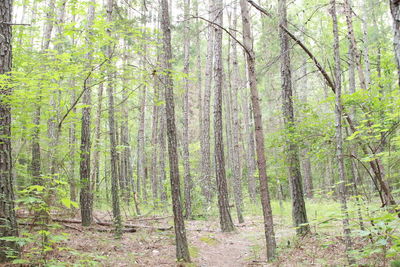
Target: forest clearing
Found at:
199, 133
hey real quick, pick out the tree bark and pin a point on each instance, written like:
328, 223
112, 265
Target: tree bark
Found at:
237, 183
250, 155
86, 196
259, 133
36, 150
186, 110
223, 200
395, 11
112, 133
339, 137
8, 220
96, 157
299, 213
205, 140
182, 250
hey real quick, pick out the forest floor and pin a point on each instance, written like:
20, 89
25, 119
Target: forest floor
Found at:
208, 246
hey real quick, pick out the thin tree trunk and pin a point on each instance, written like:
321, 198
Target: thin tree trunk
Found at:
36, 150
72, 140
161, 160
339, 137
223, 200
86, 197
237, 183
299, 213
250, 156
186, 110
182, 250
259, 134
395, 11
141, 155
112, 134
8, 220
96, 157
205, 140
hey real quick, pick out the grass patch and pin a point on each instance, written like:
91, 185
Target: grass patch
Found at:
209, 239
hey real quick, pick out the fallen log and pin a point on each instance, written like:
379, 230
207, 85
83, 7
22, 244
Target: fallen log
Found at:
111, 224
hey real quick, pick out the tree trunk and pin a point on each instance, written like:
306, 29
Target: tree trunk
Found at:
205, 140
237, 183
154, 130
250, 156
141, 155
395, 10
186, 110
112, 134
96, 158
299, 213
72, 140
8, 220
86, 197
36, 150
223, 200
161, 159
182, 250
259, 133
339, 137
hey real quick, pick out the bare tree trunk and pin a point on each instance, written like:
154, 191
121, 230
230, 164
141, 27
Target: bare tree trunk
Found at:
154, 131
72, 140
53, 131
86, 197
259, 134
96, 158
141, 154
339, 137
8, 220
299, 213
182, 250
162, 145
250, 157
205, 140
237, 183
112, 132
395, 10
186, 110
367, 69
36, 150
199, 73
223, 200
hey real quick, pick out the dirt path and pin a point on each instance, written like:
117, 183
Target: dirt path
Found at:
208, 246
244, 247
220, 249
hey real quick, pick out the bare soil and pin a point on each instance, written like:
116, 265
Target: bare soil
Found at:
209, 247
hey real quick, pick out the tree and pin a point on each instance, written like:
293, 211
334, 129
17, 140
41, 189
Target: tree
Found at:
299, 213
8, 220
186, 110
259, 133
182, 250
205, 131
86, 197
223, 200
339, 136
112, 131
237, 183
395, 11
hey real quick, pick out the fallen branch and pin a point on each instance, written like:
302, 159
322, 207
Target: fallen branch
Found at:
126, 230
166, 228
72, 227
